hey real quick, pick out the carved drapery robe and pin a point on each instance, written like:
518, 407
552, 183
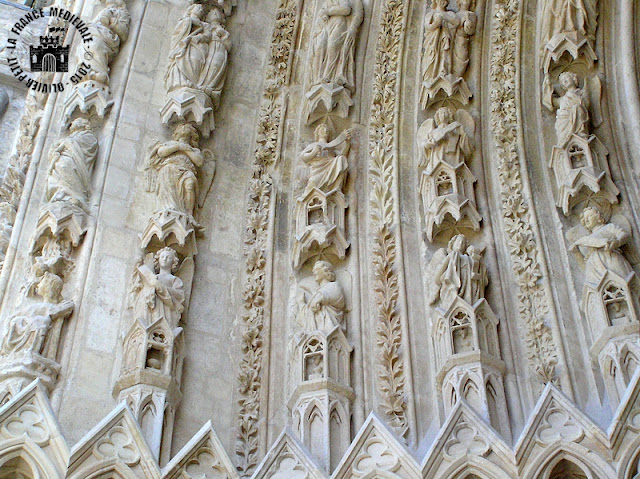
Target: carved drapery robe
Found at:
602, 254
214, 70
176, 182
189, 50
447, 143
565, 16
572, 116
466, 29
323, 309
327, 167
334, 44
158, 296
108, 30
438, 45
454, 278
71, 163
27, 331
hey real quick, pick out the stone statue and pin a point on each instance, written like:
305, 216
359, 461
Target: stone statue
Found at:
213, 74
172, 167
334, 43
440, 27
572, 116
27, 331
327, 161
561, 17
445, 139
189, 49
323, 308
601, 247
467, 22
71, 163
158, 293
457, 271
109, 30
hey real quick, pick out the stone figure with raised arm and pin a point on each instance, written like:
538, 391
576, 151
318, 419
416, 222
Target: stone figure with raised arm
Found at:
601, 246
27, 331
157, 292
444, 139
327, 160
172, 168
333, 53
572, 115
457, 271
323, 308
71, 162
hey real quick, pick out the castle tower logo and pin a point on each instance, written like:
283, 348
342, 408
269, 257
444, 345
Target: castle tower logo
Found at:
37, 64
49, 56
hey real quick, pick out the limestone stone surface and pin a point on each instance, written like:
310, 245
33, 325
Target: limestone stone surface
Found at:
326, 238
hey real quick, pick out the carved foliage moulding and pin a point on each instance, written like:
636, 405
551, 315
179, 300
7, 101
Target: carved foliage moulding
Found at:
256, 236
384, 220
517, 216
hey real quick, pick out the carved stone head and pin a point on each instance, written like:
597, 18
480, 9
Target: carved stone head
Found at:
196, 10
322, 132
322, 271
167, 259
439, 4
80, 124
186, 133
458, 243
216, 17
50, 288
568, 80
443, 116
464, 5
591, 218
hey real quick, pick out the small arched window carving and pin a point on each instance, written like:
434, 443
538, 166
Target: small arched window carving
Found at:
313, 357
461, 334
444, 183
615, 302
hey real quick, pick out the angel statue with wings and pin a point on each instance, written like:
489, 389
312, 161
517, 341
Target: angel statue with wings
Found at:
445, 138
172, 169
457, 271
600, 246
327, 160
157, 292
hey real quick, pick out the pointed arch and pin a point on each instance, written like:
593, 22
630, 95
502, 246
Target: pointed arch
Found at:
26, 458
108, 469
587, 459
475, 467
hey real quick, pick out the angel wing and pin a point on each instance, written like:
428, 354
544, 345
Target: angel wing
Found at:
150, 172
424, 136
207, 173
466, 120
574, 234
433, 290
185, 273
593, 90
